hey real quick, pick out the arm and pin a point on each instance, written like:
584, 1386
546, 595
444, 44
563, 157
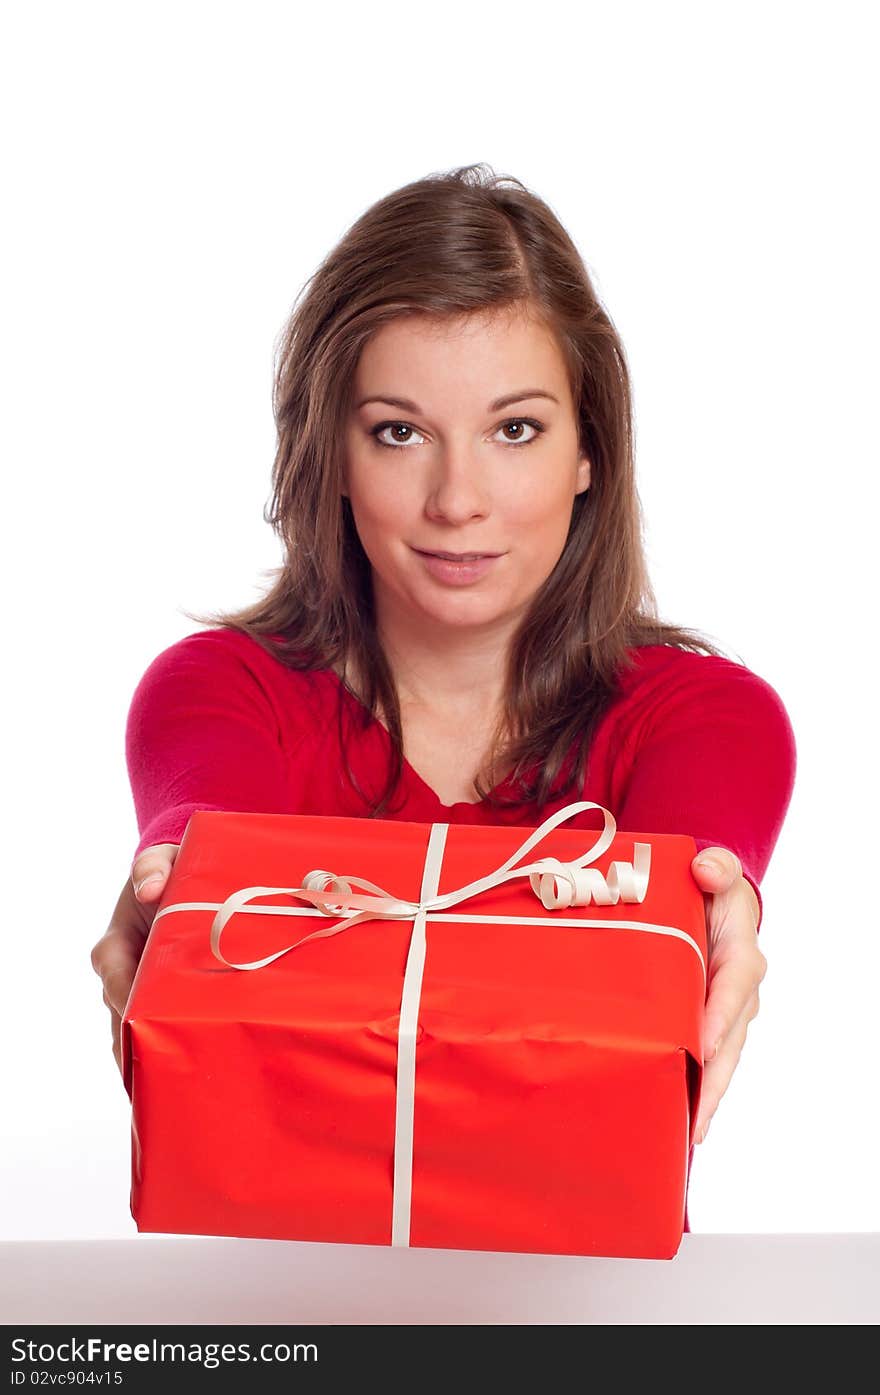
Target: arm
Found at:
717, 760
202, 733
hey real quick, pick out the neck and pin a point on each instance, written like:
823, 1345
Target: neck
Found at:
451, 672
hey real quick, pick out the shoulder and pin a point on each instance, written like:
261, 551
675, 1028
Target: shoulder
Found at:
221, 647
667, 680
664, 665
225, 665
207, 656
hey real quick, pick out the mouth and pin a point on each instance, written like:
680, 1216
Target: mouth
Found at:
457, 556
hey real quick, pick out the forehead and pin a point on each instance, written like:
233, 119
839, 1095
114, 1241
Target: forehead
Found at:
482, 354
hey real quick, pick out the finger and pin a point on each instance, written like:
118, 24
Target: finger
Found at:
116, 958
716, 869
151, 870
122, 943
718, 1074
736, 976
148, 877
116, 1034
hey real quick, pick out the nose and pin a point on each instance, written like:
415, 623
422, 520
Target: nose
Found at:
456, 493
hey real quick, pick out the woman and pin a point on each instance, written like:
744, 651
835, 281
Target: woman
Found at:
463, 628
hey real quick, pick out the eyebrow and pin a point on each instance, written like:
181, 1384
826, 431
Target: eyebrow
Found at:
522, 395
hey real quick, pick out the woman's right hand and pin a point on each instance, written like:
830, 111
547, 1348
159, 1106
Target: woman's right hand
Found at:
117, 954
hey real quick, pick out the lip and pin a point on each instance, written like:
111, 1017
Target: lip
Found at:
454, 572
455, 556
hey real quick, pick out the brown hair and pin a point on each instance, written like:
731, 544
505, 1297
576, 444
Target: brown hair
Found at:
450, 244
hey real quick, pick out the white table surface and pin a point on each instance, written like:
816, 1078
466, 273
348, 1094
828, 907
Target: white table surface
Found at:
716, 1279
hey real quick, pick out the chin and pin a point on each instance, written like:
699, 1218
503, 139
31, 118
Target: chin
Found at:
467, 611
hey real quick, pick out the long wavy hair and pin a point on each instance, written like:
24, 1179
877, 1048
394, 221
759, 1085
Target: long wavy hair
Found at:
449, 244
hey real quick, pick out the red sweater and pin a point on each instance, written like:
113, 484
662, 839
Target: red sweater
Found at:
693, 744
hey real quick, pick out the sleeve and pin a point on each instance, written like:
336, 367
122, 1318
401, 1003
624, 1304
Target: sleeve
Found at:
717, 760
201, 733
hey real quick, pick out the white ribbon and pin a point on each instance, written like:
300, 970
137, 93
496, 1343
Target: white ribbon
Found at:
558, 885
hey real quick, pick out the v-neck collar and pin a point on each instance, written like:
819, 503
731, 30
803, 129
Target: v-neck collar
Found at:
412, 774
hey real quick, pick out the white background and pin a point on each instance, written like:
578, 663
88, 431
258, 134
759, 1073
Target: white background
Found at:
172, 174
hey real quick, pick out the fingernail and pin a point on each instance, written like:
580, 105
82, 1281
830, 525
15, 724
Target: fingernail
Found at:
153, 877
705, 1131
709, 864
715, 1049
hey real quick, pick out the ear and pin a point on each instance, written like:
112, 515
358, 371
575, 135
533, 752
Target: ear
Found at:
583, 475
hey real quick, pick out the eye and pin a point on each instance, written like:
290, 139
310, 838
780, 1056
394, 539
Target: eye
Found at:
523, 421
397, 426
388, 426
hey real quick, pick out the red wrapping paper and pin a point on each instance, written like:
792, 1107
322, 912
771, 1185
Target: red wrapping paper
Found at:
558, 1069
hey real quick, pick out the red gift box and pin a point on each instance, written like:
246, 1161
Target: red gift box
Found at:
501, 1052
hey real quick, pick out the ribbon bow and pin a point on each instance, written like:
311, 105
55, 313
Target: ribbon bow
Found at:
557, 885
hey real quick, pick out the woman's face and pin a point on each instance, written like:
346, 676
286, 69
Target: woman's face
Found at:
463, 440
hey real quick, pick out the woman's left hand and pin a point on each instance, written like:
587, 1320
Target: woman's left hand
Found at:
735, 970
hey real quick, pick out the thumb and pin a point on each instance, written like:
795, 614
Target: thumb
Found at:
716, 869
151, 871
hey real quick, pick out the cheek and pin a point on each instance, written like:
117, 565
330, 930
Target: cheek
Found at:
542, 513
380, 512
